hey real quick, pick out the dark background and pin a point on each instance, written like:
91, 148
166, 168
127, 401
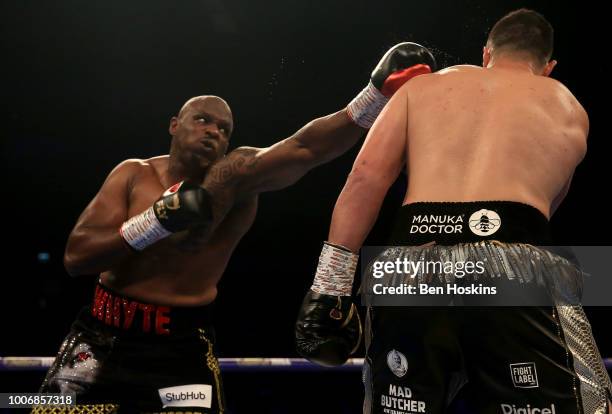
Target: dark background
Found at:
86, 85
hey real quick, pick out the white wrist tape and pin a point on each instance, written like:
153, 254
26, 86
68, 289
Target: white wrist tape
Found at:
335, 272
366, 106
143, 230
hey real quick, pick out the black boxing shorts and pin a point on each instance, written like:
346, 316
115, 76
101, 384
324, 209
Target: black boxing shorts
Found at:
126, 356
483, 358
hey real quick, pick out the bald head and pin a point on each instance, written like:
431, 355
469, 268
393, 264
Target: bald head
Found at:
211, 101
200, 132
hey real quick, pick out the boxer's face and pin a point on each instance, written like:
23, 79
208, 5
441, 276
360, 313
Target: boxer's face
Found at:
202, 130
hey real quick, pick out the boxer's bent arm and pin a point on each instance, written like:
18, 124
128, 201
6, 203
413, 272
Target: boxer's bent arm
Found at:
377, 166
95, 245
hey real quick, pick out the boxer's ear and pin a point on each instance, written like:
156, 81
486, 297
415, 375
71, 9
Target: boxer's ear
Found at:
173, 125
549, 68
486, 56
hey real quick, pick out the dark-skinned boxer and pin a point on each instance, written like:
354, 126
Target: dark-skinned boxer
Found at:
161, 239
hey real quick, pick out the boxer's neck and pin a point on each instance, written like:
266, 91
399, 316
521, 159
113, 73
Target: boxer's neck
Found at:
178, 171
513, 63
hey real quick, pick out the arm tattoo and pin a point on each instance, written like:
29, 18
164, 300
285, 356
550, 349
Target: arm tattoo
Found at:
238, 162
225, 177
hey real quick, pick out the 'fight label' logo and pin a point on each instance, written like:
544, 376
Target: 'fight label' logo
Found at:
524, 375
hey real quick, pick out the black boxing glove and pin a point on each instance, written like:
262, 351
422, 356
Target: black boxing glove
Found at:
328, 328
182, 206
401, 63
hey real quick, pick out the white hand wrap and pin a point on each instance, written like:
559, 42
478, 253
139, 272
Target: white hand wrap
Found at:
336, 271
366, 106
143, 230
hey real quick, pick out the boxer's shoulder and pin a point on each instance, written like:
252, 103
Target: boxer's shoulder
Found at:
135, 166
459, 69
142, 174
150, 169
557, 97
441, 78
560, 91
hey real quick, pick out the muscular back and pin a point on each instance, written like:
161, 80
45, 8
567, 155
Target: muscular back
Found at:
492, 134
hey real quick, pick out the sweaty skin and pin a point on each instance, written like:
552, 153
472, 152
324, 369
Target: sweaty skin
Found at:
502, 132
183, 269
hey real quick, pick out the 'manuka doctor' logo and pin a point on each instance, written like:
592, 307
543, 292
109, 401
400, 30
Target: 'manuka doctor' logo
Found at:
484, 222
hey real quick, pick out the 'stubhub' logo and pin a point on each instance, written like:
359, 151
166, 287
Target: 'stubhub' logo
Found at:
192, 395
484, 222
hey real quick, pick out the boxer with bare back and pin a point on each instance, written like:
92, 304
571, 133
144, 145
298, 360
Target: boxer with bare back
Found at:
489, 153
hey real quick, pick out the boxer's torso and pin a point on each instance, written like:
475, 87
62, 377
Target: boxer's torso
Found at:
182, 269
491, 134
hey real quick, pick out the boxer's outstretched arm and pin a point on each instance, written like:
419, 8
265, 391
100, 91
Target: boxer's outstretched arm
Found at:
377, 166
285, 162
95, 243
247, 171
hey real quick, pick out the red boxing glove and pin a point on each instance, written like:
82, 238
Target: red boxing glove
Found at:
397, 79
401, 63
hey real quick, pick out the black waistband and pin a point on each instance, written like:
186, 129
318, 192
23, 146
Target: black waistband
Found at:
128, 316
450, 223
